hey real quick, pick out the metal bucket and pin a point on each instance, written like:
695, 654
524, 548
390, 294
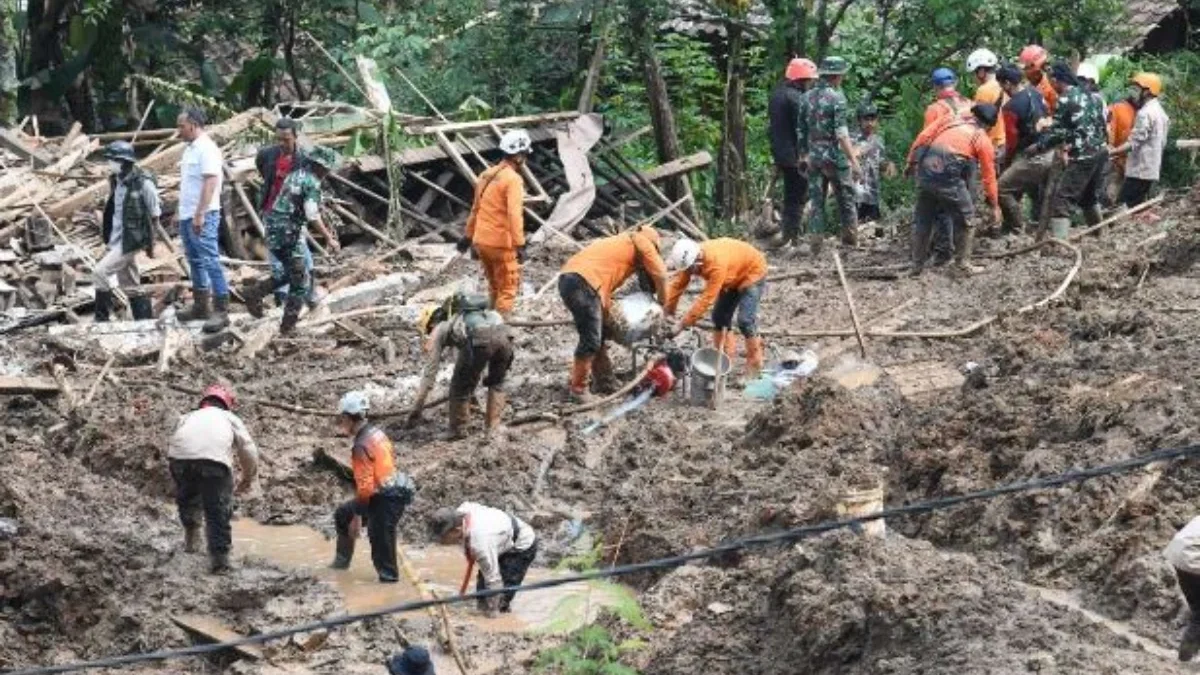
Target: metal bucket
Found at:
709, 370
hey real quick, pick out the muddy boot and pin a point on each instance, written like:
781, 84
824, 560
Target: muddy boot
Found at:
962, 254
850, 236
916, 270
219, 563
495, 410
220, 315
815, 243
604, 381
1190, 644
343, 554
754, 356
581, 371
291, 316
141, 307
1092, 215
103, 306
253, 293
456, 421
191, 540
199, 309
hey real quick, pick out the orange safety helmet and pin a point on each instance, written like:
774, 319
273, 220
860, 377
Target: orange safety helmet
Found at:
1033, 56
1148, 81
801, 69
221, 393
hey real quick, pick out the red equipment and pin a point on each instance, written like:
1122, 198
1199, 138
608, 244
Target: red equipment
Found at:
660, 378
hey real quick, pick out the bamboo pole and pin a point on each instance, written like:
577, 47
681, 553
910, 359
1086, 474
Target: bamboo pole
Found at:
862, 344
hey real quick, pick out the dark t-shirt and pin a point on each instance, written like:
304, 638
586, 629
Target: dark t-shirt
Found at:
1028, 107
783, 114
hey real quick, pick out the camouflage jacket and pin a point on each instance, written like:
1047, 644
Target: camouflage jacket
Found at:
297, 204
1079, 123
823, 118
870, 158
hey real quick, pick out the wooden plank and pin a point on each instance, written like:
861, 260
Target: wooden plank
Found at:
10, 140
523, 120
453, 153
212, 629
434, 153
682, 165
13, 385
437, 186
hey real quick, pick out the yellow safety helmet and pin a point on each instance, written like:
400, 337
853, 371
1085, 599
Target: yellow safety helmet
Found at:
1148, 81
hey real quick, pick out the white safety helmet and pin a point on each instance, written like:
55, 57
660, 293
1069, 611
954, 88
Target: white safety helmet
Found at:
683, 254
354, 403
1088, 71
515, 142
981, 58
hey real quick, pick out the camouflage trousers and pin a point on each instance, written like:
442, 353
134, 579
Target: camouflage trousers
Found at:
287, 246
824, 177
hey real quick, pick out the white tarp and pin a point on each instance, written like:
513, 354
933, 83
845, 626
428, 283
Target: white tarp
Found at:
574, 143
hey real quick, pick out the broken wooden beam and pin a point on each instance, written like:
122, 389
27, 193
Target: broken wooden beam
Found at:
523, 120
38, 386
680, 166
10, 140
211, 629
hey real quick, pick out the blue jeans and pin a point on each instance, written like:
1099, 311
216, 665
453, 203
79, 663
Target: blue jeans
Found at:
744, 303
277, 272
204, 255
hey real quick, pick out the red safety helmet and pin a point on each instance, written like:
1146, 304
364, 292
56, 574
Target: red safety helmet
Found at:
801, 69
221, 393
1033, 56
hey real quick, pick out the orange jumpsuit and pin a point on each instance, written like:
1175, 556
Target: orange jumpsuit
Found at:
496, 227
607, 263
1120, 125
991, 93
727, 265
949, 103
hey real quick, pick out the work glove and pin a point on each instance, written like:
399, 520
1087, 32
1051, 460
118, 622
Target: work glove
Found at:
463, 245
521, 255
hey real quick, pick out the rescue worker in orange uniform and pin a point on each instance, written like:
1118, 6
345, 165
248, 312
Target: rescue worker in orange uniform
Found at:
735, 278
586, 284
1033, 62
947, 101
381, 492
944, 158
1121, 116
496, 226
983, 64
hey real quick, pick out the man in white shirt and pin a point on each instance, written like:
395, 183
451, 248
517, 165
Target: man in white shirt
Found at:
503, 546
201, 458
1146, 142
199, 221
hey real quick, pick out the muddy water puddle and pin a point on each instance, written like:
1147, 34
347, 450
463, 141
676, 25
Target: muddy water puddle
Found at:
300, 547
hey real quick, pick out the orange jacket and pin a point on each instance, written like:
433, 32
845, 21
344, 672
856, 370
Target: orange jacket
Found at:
608, 262
1120, 125
725, 265
498, 214
372, 461
965, 139
948, 104
990, 92
1049, 95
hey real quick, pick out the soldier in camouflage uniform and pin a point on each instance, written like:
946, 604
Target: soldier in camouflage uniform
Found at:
298, 204
1079, 124
824, 135
868, 144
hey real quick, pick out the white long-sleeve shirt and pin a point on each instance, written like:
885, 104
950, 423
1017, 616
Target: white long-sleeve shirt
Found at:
214, 434
1184, 550
1147, 141
488, 534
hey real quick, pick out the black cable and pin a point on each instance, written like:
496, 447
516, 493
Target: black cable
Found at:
783, 536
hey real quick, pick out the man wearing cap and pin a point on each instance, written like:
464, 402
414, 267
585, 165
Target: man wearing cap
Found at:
868, 145
783, 121
825, 139
503, 545
1147, 141
1078, 127
944, 158
131, 217
297, 205
274, 163
1022, 173
496, 226
414, 661
948, 103
201, 459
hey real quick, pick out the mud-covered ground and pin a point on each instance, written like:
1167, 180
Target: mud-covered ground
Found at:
1062, 581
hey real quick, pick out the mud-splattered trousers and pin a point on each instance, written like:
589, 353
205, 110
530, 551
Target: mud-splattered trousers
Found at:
514, 565
745, 303
204, 488
381, 516
487, 348
503, 274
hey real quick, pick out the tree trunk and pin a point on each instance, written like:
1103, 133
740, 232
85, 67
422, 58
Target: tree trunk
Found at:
8, 71
731, 166
662, 116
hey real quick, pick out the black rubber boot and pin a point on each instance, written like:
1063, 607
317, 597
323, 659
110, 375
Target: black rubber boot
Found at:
219, 563
103, 306
199, 309
253, 293
141, 307
191, 540
220, 315
291, 316
344, 553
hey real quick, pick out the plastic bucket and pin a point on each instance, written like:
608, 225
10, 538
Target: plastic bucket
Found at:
859, 503
707, 366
